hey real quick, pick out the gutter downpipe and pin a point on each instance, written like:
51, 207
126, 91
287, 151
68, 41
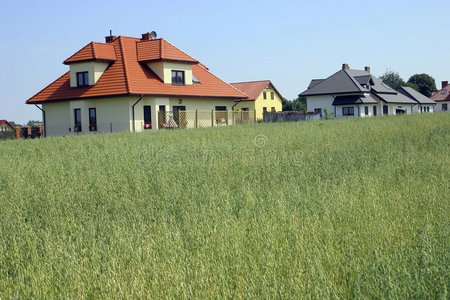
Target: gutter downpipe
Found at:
132, 109
232, 108
43, 118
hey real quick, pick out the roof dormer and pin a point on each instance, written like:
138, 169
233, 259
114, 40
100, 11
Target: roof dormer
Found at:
89, 64
170, 64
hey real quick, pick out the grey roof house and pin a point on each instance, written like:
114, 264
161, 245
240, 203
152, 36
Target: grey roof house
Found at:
357, 93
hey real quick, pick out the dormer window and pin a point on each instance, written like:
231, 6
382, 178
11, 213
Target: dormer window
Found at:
82, 79
178, 77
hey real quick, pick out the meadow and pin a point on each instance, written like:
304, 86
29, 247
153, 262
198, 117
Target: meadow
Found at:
333, 209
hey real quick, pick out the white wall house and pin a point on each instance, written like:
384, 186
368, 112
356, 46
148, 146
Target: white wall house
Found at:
352, 93
124, 85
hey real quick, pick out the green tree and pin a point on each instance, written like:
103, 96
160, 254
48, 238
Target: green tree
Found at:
425, 82
392, 79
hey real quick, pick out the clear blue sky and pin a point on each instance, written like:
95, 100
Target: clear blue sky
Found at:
288, 42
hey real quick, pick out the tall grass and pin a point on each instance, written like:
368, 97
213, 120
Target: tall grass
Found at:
335, 209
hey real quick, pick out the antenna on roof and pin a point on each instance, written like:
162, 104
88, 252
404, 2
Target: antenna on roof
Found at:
110, 32
153, 35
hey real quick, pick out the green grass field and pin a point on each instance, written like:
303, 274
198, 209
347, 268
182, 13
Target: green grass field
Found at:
335, 209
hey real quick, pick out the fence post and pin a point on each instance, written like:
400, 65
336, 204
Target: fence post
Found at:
196, 118
212, 117
40, 132
28, 131
254, 114
242, 119
110, 127
17, 133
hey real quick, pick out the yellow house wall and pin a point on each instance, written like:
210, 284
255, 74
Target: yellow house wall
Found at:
95, 70
269, 103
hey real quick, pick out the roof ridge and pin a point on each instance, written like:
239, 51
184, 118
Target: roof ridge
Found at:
250, 81
124, 65
93, 50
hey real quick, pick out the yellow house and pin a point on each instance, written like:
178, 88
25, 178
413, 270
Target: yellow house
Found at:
5, 126
263, 97
134, 84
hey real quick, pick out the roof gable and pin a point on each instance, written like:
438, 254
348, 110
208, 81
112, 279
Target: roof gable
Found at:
254, 88
93, 52
442, 95
7, 123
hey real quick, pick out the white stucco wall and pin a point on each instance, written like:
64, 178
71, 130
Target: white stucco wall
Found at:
164, 71
95, 70
438, 106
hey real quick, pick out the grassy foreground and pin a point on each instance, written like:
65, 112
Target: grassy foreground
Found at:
340, 208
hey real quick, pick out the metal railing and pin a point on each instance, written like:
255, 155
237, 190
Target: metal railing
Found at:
184, 119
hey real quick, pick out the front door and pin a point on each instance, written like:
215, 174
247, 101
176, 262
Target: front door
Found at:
179, 116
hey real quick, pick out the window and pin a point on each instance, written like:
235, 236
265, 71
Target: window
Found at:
374, 110
272, 95
273, 109
385, 110
366, 110
428, 109
264, 110
221, 115
147, 117
348, 111
194, 79
92, 119
444, 91
178, 77
77, 120
264, 95
444, 106
245, 109
82, 79
421, 109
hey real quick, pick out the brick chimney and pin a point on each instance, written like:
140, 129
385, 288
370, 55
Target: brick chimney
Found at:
444, 84
345, 67
146, 36
110, 38
367, 69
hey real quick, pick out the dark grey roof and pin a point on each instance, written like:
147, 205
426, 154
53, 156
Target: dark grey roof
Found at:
395, 98
314, 82
376, 83
354, 99
340, 82
365, 79
415, 95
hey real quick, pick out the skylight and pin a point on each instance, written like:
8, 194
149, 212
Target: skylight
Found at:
444, 91
385, 85
194, 79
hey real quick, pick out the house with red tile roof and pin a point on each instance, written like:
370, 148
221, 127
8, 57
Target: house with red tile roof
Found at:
263, 97
125, 83
5, 126
442, 97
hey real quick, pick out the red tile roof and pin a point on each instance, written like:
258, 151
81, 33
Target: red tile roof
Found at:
441, 95
93, 51
254, 88
4, 121
127, 76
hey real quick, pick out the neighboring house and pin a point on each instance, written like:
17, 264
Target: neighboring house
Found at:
125, 83
442, 97
6, 126
262, 97
352, 93
424, 104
